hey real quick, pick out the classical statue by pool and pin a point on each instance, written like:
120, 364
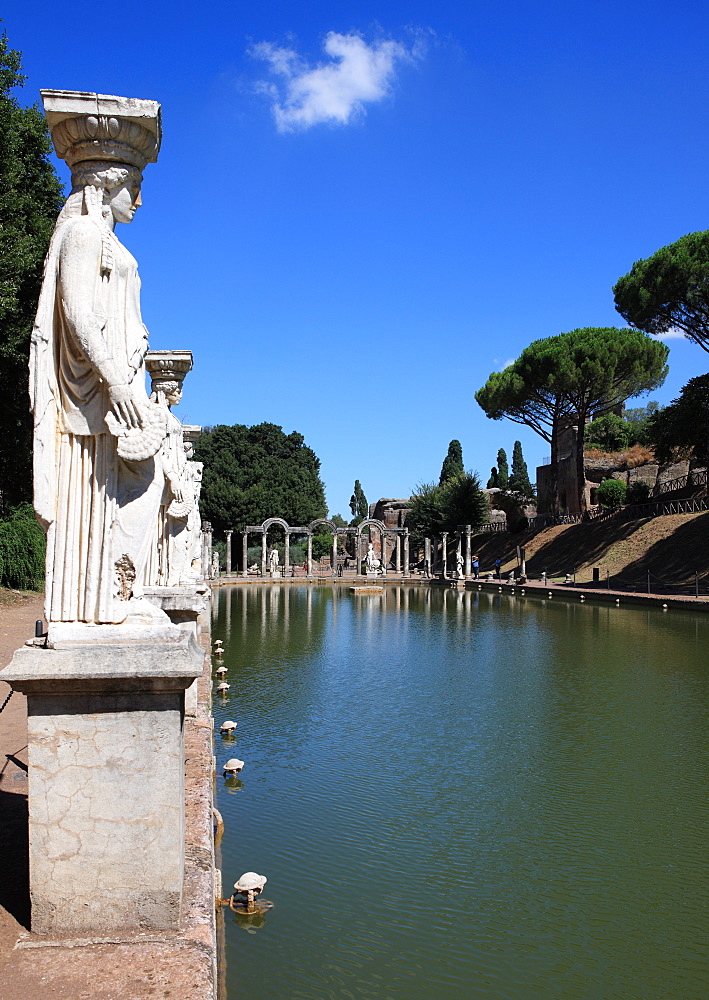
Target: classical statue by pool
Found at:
98, 488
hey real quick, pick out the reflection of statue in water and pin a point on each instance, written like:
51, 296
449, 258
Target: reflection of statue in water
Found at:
371, 561
96, 433
273, 560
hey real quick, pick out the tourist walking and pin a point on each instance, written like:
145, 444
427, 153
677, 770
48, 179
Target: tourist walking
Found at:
498, 567
476, 567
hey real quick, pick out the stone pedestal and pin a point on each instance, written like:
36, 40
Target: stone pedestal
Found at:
106, 781
185, 606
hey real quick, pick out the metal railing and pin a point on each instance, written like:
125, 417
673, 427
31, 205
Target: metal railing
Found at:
633, 512
698, 478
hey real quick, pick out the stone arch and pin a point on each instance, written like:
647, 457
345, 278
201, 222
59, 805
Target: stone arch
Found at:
323, 520
371, 520
275, 520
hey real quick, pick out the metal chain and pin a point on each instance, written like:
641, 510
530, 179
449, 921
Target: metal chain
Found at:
7, 699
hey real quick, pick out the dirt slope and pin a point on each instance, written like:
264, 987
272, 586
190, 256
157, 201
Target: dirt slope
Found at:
670, 548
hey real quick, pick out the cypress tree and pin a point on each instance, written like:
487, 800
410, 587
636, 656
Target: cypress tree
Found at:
503, 471
452, 463
519, 480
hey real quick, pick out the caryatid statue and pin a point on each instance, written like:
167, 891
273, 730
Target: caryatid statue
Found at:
169, 562
97, 490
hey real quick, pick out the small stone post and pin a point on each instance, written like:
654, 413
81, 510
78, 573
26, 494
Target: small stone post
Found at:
228, 552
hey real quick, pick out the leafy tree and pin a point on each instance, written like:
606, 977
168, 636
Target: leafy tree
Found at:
612, 493
681, 430
493, 482
669, 290
608, 432
602, 367
358, 504
434, 509
519, 480
452, 463
573, 376
30, 200
503, 470
251, 473
528, 392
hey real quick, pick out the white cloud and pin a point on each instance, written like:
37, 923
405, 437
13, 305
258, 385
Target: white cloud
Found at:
334, 91
673, 334
505, 364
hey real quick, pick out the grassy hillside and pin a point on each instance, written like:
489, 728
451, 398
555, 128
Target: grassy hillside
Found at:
670, 547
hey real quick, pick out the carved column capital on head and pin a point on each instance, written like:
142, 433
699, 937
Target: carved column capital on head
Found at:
102, 128
168, 367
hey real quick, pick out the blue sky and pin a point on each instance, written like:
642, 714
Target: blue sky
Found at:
360, 210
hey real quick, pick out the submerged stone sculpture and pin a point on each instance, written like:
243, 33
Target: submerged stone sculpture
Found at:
96, 434
250, 885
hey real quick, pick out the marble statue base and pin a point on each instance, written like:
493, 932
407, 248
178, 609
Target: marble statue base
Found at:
106, 781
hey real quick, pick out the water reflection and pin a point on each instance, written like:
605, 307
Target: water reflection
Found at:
545, 760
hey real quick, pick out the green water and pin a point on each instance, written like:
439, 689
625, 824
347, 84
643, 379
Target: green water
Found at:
463, 795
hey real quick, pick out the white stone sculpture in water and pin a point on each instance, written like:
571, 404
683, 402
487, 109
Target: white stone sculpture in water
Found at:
97, 490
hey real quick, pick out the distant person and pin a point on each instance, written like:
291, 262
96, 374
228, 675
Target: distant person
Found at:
498, 567
426, 572
476, 567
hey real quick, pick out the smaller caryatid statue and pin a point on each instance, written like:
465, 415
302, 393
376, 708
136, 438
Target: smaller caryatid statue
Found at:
273, 562
371, 561
169, 565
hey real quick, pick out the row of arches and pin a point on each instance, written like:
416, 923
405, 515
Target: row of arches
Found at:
399, 536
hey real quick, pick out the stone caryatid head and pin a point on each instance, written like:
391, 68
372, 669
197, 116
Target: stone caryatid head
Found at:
167, 370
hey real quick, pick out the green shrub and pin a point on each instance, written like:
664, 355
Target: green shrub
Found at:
638, 492
518, 524
22, 548
611, 493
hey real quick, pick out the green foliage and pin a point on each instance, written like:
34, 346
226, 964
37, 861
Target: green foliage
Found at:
503, 471
518, 524
519, 480
22, 548
358, 504
681, 430
612, 493
435, 509
608, 433
251, 473
638, 492
669, 290
452, 463
30, 199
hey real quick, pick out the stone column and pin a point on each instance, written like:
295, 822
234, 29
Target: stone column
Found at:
444, 546
398, 553
427, 555
468, 531
286, 557
436, 553
244, 553
263, 553
206, 550
228, 552
106, 780
310, 556
334, 553
406, 552
358, 550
